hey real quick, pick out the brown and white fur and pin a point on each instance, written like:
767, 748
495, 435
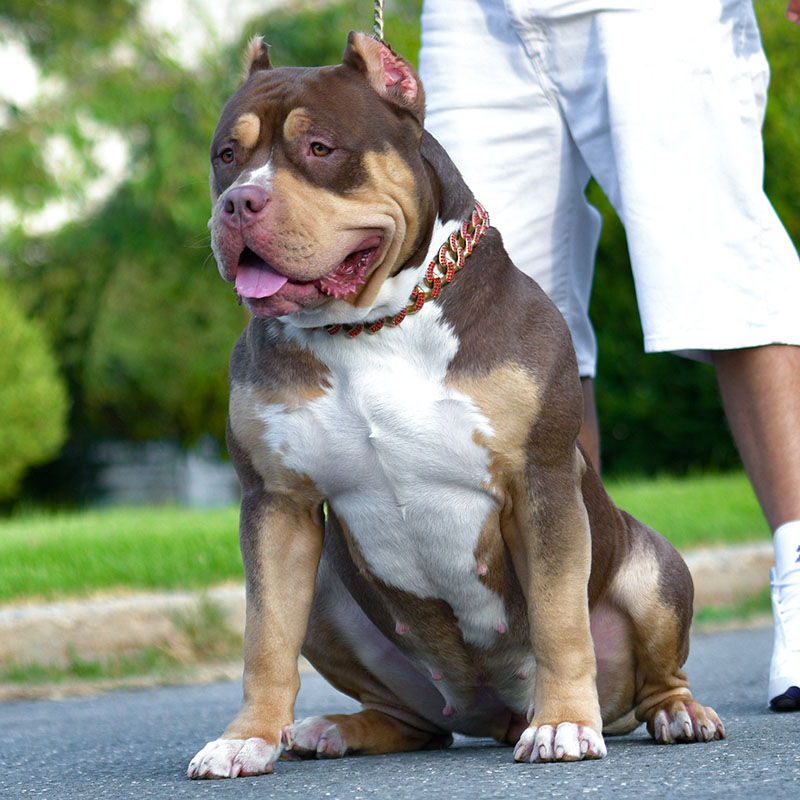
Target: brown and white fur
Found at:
417, 517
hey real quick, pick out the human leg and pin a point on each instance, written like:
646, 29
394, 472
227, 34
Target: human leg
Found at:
714, 269
589, 435
760, 390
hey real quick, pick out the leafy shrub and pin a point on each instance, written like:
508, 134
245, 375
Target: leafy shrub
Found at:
33, 397
141, 323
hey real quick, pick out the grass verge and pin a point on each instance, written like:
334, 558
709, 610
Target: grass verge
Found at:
56, 555
72, 554
695, 511
750, 608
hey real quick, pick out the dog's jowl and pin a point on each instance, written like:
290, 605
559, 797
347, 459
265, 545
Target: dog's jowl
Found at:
417, 518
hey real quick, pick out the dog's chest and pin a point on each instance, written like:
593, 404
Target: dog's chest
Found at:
400, 457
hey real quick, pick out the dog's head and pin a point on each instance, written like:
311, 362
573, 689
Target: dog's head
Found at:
319, 189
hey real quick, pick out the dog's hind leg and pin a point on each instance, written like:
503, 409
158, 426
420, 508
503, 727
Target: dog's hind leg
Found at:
654, 587
355, 657
369, 731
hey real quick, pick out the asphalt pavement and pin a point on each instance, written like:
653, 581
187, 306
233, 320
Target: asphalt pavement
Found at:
137, 744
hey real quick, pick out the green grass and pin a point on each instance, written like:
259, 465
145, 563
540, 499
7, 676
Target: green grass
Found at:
54, 555
146, 662
71, 554
51, 555
695, 511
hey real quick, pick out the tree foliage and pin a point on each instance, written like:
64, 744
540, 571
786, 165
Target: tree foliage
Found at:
128, 290
141, 323
33, 397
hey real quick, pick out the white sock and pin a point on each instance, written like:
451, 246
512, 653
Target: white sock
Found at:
786, 541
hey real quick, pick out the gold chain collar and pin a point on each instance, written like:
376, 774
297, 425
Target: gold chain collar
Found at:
440, 272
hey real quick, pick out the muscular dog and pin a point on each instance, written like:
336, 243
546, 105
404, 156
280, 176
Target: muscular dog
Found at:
417, 517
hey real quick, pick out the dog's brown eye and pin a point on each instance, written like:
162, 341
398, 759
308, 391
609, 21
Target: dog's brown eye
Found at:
320, 150
227, 155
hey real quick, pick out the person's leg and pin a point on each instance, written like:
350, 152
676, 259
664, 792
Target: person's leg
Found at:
760, 389
714, 268
590, 431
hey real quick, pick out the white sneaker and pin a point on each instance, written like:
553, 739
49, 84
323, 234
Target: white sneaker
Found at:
784, 671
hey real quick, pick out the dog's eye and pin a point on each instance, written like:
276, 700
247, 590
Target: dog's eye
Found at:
226, 156
320, 150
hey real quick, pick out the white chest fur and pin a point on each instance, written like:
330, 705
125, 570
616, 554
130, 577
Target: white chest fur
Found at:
394, 450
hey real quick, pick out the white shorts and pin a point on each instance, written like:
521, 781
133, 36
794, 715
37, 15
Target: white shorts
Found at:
662, 102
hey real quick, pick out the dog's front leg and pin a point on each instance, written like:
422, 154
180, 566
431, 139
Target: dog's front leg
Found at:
281, 545
548, 536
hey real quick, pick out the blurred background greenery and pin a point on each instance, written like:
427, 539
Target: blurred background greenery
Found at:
115, 324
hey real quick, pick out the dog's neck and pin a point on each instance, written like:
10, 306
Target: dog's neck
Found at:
441, 270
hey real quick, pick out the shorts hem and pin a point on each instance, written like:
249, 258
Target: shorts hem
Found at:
704, 353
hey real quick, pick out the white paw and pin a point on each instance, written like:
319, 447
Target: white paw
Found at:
230, 758
315, 736
567, 742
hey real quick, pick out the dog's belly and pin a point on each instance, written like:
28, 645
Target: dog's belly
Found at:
436, 677
396, 454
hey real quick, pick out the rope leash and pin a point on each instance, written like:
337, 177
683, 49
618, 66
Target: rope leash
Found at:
378, 20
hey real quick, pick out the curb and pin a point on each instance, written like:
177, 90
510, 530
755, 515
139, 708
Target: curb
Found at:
56, 634
724, 576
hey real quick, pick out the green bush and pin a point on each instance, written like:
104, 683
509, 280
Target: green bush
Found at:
141, 323
33, 398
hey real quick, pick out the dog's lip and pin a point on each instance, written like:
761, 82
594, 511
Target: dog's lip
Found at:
256, 279
344, 280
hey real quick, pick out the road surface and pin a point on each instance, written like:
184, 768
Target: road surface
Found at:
137, 744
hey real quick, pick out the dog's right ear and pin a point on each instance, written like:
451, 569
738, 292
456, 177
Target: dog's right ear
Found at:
391, 76
256, 56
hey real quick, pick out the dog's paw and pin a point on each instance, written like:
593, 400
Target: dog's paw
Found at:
315, 737
685, 721
567, 742
232, 758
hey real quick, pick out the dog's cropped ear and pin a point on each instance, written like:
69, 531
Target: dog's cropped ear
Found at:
391, 76
256, 56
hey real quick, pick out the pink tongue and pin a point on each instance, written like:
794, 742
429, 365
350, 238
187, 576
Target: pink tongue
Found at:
255, 282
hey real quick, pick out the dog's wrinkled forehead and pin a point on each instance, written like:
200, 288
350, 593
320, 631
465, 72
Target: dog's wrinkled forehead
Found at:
337, 113
259, 108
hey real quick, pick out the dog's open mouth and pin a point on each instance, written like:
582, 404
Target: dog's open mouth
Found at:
257, 279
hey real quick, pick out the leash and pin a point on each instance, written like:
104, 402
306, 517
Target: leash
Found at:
378, 20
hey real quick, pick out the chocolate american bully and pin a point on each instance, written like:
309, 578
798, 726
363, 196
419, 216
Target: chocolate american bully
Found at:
417, 517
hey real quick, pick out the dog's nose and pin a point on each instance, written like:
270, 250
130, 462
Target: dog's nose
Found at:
243, 204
